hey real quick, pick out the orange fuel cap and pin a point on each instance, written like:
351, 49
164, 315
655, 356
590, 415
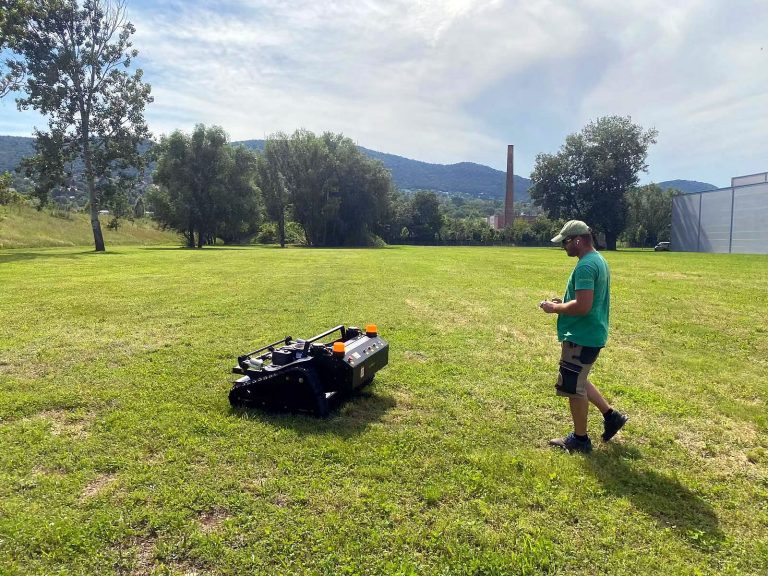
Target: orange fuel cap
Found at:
371, 330
338, 348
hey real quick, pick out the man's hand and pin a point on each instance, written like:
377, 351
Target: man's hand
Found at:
549, 305
578, 307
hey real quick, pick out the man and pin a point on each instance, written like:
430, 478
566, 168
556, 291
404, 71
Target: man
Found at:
582, 327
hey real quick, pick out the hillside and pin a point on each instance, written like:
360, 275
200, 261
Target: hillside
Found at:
25, 227
464, 178
13, 149
467, 178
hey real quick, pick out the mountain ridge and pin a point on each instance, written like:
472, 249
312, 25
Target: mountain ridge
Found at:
468, 178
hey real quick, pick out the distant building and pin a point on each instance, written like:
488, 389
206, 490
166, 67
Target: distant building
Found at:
730, 220
495, 221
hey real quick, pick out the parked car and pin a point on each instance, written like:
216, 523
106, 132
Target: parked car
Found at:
662, 247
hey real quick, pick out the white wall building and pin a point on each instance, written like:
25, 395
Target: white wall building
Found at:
730, 220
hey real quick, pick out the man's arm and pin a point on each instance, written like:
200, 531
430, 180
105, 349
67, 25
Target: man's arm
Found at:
578, 307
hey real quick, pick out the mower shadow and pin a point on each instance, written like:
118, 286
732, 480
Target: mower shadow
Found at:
621, 472
349, 417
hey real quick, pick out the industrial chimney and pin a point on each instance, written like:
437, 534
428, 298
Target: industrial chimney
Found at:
509, 198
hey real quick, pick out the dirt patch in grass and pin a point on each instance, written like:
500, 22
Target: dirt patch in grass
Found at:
505, 332
449, 315
212, 521
145, 551
675, 275
64, 423
727, 453
414, 356
186, 570
45, 471
97, 486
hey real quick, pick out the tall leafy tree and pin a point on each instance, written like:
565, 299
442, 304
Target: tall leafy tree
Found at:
205, 187
427, 218
272, 167
313, 185
650, 215
359, 194
334, 192
239, 208
74, 58
590, 176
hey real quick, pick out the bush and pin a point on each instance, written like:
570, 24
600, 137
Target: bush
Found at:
267, 234
10, 196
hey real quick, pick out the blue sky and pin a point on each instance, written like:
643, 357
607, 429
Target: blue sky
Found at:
457, 80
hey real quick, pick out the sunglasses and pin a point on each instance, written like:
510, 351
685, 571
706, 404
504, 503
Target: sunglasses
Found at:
567, 240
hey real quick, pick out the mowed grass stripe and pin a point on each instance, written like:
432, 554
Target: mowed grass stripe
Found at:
121, 454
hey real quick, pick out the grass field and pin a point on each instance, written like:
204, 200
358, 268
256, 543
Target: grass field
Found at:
119, 453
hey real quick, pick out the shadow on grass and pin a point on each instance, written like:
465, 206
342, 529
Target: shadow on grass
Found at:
350, 417
13, 256
182, 248
673, 505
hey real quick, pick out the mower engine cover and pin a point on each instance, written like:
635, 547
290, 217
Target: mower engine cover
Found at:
306, 375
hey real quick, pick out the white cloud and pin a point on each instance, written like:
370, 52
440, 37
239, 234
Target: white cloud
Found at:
456, 80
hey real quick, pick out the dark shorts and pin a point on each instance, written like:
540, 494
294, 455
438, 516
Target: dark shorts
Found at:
575, 363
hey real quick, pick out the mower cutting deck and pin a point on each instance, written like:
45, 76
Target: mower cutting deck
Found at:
307, 375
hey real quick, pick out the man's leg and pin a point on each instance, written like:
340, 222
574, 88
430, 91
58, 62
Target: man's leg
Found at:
579, 407
571, 382
613, 420
596, 398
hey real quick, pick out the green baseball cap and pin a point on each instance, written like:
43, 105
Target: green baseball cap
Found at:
571, 228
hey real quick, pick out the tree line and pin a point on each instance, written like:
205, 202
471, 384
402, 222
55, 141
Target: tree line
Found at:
71, 60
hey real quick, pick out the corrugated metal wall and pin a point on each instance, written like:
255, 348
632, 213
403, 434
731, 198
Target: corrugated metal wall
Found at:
726, 220
750, 219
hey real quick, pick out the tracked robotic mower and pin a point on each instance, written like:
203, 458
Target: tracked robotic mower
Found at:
307, 375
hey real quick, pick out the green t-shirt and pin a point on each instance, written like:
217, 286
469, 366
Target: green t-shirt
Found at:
590, 273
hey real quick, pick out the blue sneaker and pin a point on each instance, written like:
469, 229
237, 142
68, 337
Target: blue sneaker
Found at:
572, 444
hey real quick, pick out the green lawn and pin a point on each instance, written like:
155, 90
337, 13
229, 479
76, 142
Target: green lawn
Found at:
119, 453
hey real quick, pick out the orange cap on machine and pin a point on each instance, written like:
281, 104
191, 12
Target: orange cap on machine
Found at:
371, 330
338, 348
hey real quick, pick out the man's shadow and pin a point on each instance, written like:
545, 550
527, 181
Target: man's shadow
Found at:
621, 471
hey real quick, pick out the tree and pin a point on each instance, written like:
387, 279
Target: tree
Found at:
271, 167
205, 187
337, 194
139, 208
650, 215
590, 176
74, 62
5, 187
239, 208
359, 192
427, 219
13, 15
311, 184
46, 166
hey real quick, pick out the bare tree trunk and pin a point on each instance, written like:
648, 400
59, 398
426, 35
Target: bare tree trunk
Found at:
98, 237
281, 229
